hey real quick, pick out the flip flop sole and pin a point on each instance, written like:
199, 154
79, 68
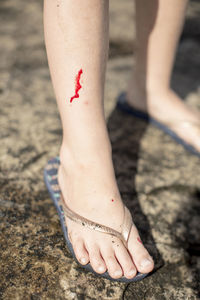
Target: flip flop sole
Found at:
123, 105
50, 179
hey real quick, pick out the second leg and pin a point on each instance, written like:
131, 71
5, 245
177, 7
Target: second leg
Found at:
158, 27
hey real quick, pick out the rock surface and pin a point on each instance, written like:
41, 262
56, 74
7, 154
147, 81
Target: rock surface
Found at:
158, 179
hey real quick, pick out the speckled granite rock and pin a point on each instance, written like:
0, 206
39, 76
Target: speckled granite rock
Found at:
159, 181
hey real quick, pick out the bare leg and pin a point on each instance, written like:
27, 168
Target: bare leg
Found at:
76, 34
159, 24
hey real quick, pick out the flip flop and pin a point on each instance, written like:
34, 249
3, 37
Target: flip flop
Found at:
50, 178
123, 105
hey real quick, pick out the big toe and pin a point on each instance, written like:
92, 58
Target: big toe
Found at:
141, 257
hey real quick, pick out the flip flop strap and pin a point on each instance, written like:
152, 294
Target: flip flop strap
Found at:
127, 224
123, 235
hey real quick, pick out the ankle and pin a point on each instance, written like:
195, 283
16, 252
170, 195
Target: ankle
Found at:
149, 98
83, 157
143, 90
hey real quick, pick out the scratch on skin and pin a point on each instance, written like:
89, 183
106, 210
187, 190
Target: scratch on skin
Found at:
139, 240
78, 85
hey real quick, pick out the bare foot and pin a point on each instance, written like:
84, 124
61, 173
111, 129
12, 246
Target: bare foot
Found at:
89, 188
166, 107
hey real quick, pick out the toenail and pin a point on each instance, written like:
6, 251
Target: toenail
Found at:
83, 260
118, 273
146, 262
131, 273
101, 269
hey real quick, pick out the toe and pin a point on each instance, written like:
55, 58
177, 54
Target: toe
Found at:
125, 260
114, 268
80, 251
141, 258
145, 264
96, 260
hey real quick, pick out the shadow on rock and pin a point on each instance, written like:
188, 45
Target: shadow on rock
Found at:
186, 232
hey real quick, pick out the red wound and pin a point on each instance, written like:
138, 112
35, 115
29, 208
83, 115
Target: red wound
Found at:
112, 200
139, 240
78, 85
